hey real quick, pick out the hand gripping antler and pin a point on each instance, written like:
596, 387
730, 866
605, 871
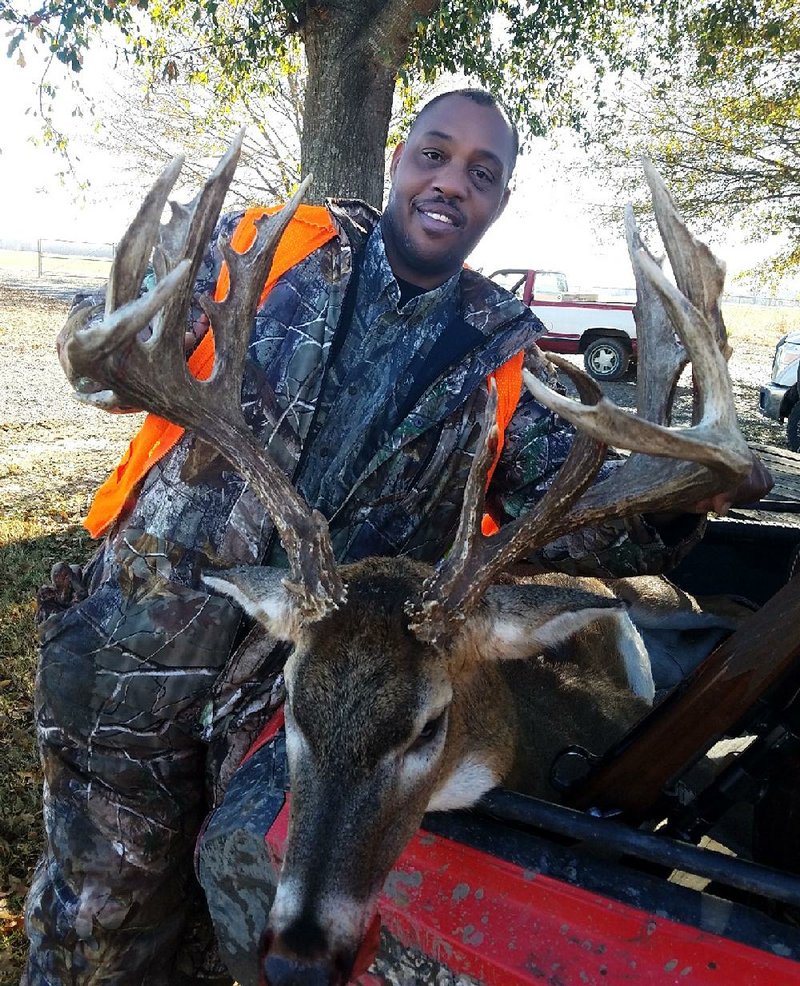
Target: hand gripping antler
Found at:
677, 466
151, 373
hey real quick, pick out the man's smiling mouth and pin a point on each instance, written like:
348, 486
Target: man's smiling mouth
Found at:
438, 212
438, 216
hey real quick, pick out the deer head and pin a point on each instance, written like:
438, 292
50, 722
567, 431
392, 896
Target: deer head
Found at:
404, 688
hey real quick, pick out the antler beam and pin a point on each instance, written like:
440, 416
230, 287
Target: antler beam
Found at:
151, 373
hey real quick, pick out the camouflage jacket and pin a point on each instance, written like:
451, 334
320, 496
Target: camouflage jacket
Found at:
385, 465
388, 482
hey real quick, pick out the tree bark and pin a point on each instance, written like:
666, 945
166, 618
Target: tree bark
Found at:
353, 51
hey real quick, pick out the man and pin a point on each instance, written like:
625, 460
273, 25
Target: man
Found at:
375, 349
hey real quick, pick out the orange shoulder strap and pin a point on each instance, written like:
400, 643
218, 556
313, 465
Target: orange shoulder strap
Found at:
508, 378
310, 228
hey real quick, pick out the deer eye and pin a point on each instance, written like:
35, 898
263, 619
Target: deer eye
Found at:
429, 732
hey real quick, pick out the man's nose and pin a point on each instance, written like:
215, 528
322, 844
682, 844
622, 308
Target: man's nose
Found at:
451, 182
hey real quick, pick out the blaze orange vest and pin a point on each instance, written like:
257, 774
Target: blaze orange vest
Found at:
310, 228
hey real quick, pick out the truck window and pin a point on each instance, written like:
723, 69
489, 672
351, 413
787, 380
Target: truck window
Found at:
511, 280
549, 285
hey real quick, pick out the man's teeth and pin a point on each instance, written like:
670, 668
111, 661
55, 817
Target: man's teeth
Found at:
440, 218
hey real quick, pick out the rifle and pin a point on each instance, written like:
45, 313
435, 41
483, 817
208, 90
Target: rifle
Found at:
748, 683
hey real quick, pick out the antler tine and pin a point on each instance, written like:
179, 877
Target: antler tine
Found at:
475, 560
700, 275
136, 246
441, 603
177, 250
660, 357
152, 373
188, 231
248, 272
304, 534
715, 454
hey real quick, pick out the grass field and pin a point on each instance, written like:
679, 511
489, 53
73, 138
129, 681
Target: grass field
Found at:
760, 325
53, 453
28, 260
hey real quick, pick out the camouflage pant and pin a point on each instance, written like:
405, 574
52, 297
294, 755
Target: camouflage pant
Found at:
123, 679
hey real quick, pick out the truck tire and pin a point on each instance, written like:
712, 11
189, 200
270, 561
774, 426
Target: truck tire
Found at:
607, 358
793, 429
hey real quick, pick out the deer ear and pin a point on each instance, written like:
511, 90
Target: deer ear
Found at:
261, 594
517, 621
508, 627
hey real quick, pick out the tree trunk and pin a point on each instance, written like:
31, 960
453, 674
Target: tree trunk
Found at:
353, 51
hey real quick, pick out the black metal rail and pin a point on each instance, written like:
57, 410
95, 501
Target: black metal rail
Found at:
607, 834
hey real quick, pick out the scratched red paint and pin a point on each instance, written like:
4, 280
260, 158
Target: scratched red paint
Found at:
517, 928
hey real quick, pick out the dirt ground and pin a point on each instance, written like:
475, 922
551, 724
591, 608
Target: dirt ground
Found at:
49, 443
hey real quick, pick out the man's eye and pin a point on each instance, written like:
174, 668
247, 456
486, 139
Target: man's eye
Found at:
433, 155
483, 176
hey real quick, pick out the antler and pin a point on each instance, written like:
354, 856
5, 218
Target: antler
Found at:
152, 373
676, 466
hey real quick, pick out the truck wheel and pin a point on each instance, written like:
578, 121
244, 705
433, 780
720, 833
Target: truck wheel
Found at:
793, 429
607, 359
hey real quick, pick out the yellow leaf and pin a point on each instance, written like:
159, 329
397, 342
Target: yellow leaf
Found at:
10, 922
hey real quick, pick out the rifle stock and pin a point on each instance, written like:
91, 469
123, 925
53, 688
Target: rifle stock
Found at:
702, 709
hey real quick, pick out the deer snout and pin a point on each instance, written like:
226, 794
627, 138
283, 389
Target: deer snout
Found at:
300, 957
281, 971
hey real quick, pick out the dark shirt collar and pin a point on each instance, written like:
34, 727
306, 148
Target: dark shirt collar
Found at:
408, 291
380, 278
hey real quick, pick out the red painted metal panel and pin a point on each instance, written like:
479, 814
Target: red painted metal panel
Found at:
593, 306
274, 724
504, 926
559, 344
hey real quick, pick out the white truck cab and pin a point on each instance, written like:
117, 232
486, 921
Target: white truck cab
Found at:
604, 333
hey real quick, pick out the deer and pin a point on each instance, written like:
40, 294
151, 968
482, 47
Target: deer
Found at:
413, 688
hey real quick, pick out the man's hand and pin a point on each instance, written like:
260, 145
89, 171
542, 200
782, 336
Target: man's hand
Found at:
192, 338
757, 484
66, 588
85, 310
750, 490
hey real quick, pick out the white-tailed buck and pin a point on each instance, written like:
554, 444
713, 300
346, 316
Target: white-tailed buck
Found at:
411, 688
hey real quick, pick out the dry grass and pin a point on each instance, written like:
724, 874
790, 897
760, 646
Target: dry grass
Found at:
27, 261
760, 325
52, 453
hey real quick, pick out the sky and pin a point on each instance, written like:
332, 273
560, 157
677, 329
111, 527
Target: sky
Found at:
547, 225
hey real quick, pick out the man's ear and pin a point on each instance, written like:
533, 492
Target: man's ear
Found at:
503, 204
397, 153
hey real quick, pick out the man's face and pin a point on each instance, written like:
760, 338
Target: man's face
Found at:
449, 184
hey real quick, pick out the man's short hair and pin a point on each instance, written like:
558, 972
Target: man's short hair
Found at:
483, 98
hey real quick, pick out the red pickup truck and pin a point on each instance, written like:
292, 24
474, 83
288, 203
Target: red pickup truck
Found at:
604, 333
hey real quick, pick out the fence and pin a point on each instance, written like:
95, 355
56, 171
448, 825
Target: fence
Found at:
629, 295
757, 299
78, 250
72, 250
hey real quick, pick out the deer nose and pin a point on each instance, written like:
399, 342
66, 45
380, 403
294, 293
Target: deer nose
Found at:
300, 956
282, 971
